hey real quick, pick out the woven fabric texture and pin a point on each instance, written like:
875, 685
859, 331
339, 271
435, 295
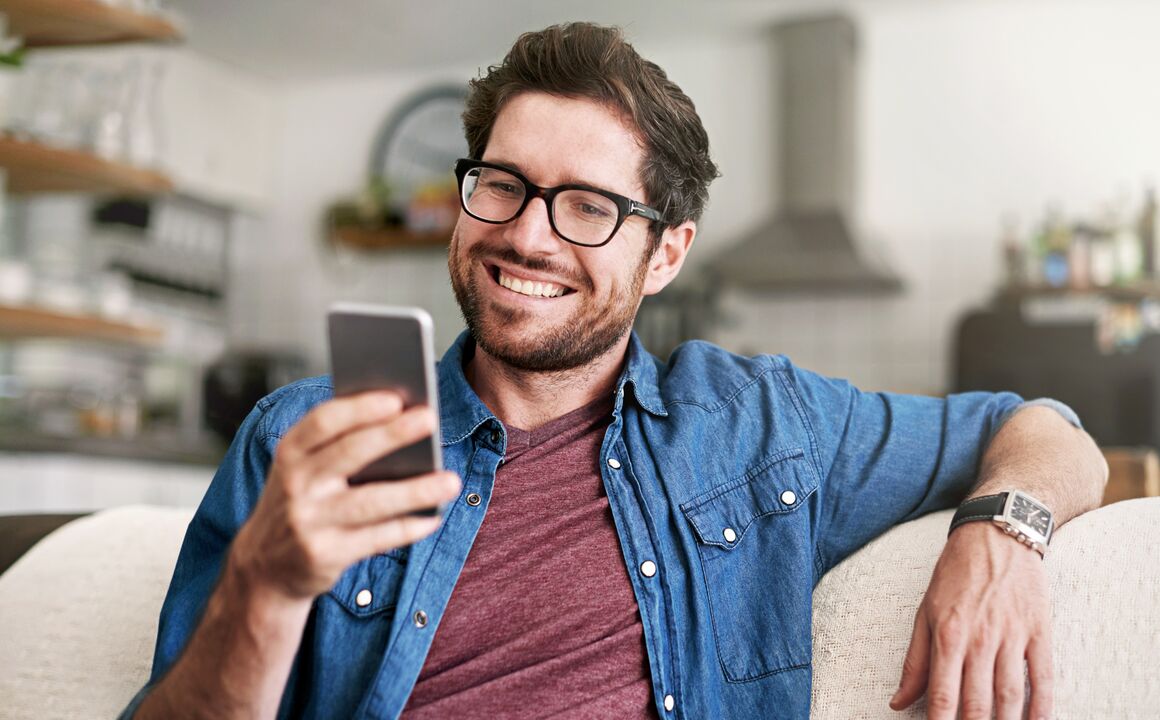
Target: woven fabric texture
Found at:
1105, 587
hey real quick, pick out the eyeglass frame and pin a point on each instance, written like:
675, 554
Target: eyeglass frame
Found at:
626, 207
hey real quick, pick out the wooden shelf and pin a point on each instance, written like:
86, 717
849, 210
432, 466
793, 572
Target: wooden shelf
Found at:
1141, 290
388, 238
54, 23
35, 167
18, 321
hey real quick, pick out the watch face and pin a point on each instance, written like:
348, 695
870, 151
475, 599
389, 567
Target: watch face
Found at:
1031, 514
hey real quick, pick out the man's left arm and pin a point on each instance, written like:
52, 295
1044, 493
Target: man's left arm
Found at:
987, 609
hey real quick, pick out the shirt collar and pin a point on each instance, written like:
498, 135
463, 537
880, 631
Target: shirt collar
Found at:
641, 373
461, 411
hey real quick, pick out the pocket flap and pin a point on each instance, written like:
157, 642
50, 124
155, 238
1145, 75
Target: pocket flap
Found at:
779, 484
371, 585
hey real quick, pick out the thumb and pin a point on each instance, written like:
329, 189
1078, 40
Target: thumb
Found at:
916, 666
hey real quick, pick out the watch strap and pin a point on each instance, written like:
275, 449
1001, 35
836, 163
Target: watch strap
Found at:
980, 508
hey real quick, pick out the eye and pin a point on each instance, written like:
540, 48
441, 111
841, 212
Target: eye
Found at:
503, 187
592, 211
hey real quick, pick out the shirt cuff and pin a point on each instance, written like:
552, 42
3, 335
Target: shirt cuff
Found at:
1064, 411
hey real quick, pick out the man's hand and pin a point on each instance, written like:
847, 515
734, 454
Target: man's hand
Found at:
309, 524
986, 611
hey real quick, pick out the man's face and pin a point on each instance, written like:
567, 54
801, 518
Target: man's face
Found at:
553, 141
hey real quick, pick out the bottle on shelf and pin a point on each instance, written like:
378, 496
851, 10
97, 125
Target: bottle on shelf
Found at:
1129, 254
1146, 229
1054, 243
1014, 253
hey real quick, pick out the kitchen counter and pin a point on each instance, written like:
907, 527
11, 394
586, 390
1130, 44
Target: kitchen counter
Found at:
60, 481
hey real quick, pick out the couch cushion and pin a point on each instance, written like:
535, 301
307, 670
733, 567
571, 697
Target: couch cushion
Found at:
1104, 585
78, 613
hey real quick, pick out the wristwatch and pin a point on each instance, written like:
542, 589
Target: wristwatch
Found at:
1016, 513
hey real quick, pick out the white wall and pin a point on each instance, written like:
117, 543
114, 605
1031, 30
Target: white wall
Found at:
970, 110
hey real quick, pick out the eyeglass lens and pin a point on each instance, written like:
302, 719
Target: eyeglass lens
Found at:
581, 216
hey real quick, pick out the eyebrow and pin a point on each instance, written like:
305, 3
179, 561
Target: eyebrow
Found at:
567, 181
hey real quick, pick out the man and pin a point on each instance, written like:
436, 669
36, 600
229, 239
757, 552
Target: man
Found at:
653, 531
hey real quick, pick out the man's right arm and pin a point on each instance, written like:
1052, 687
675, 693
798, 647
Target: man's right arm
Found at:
308, 526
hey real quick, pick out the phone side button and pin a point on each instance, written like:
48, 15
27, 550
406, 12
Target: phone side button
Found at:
473, 499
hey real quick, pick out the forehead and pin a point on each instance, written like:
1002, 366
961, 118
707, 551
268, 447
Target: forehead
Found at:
555, 140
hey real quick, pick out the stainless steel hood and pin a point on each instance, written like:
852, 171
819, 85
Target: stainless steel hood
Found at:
807, 246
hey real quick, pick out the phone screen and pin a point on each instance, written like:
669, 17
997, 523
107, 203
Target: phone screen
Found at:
376, 347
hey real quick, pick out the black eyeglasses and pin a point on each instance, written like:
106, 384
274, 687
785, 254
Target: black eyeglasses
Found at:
580, 214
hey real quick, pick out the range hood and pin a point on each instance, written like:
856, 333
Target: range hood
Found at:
807, 247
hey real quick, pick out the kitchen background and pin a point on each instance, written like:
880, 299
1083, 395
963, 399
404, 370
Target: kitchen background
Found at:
938, 196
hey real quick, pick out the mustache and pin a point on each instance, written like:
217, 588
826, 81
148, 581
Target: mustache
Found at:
509, 256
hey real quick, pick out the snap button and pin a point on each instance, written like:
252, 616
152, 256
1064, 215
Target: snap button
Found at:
495, 437
730, 535
420, 619
670, 703
614, 463
474, 499
788, 497
363, 598
648, 568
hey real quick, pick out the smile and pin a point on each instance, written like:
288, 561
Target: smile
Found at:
530, 288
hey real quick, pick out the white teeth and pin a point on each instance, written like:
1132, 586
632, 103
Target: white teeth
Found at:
530, 288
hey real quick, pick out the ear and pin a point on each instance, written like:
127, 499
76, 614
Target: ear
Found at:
670, 255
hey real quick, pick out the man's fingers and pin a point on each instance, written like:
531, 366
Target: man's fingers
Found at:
380, 538
946, 670
375, 502
331, 419
1042, 676
1009, 683
916, 665
978, 684
353, 451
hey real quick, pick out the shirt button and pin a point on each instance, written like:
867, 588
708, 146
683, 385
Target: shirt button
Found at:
420, 619
614, 463
648, 568
363, 598
670, 703
495, 437
788, 497
730, 535
474, 499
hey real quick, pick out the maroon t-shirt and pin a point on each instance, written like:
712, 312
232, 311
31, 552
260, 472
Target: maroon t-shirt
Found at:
543, 621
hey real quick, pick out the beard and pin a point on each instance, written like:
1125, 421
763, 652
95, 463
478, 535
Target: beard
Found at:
571, 342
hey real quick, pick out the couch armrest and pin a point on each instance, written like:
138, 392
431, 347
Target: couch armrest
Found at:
1104, 578
78, 613
18, 533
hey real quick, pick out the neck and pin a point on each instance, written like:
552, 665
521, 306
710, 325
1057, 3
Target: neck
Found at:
528, 399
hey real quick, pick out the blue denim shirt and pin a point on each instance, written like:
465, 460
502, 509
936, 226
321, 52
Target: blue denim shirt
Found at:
743, 479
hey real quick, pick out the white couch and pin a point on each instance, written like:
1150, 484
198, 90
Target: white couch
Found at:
78, 614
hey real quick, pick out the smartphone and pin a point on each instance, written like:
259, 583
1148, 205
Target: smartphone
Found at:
375, 347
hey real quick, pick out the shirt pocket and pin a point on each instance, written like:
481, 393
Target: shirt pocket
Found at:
370, 587
754, 540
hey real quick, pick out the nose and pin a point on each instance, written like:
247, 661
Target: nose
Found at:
531, 233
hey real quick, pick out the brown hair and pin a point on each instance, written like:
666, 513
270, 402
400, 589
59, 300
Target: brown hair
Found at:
583, 60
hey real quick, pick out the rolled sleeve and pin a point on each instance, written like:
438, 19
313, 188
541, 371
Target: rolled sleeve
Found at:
1064, 411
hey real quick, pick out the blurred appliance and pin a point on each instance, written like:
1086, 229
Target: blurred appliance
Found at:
807, 246
238, 379
1117, 396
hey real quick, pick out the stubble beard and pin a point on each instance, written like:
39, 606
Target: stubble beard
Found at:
570, 343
